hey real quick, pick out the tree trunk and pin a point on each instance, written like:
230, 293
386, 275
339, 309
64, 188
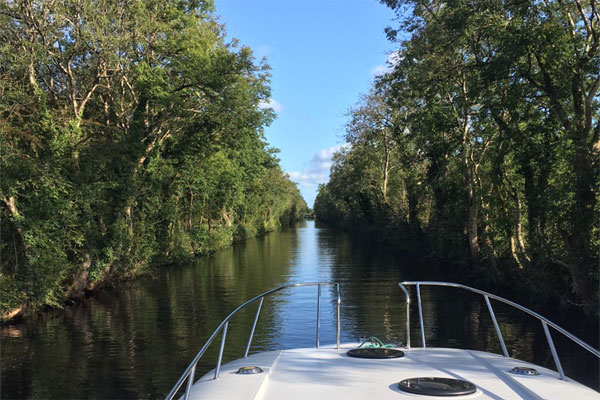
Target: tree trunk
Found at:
16, 270
190, 213
11, 204
386, 164
519, 228
472, 221
79, 283
514, 253
472, 201
413, 203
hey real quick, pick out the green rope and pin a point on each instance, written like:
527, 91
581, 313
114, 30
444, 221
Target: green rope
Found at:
374, 343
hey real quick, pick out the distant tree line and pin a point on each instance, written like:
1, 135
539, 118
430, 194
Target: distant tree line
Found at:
131, 136
481, 145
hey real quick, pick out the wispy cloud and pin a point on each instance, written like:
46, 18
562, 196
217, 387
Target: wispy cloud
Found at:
271, 103
317, 170
263, 51
382, 69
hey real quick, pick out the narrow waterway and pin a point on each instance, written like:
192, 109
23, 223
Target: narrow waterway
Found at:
134, 341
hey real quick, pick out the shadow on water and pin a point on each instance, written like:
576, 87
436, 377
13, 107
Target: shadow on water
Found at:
134, 341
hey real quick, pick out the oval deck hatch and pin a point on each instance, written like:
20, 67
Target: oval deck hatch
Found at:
375, 352
250, 370
524, 371
437, 386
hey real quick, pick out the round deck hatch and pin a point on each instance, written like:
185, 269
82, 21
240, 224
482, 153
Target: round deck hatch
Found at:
250, 370
437, 386
524, 371
375, 352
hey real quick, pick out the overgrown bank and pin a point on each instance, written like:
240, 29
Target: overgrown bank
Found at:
480, 147
131, 137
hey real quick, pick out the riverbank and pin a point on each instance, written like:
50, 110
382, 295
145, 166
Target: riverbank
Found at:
82, 286
109, 340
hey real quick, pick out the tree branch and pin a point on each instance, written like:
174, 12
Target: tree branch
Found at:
584, 17
589, 101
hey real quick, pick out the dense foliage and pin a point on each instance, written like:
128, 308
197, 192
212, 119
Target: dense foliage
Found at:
480, 147
131, 136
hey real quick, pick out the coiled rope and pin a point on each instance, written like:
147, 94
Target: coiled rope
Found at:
375, 343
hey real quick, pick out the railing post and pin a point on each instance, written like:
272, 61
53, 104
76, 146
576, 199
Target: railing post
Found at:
407, 314
339, 306
221, 351
553, 350
421, 315
318, 315
489, 306
408, 324
190, 382
254, 327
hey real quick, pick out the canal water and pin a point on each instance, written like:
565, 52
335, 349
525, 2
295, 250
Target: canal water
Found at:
134, 341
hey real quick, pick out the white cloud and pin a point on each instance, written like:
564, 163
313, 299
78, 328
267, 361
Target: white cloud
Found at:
326, 154
390, 63
317, 170
307, 179
271, 103
380, 70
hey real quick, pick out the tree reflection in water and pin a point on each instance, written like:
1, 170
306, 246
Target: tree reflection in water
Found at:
135, 340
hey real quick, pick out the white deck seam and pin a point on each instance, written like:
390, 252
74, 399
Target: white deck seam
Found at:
260, 390
509, 381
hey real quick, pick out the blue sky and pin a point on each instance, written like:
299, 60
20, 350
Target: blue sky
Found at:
323, 55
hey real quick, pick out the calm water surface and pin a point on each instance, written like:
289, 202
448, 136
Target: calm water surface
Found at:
136, 340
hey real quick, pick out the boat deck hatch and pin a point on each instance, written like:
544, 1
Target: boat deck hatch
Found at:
375, 352
437, 386
524, 371
250, 370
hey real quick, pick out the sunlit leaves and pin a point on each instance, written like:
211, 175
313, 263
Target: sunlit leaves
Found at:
131, 137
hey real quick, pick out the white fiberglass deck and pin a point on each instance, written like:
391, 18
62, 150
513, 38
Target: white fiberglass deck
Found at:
328, 373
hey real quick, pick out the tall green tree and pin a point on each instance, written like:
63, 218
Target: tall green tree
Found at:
500, 133
132, 135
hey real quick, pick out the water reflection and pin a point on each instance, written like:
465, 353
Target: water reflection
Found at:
374, 306
134, 341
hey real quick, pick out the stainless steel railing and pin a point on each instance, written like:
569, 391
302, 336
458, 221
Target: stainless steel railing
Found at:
191, 369
487, 296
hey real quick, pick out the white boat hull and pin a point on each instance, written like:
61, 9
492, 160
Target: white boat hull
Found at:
328, 373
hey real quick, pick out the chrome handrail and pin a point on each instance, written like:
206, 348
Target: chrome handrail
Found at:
545, 322
191, 369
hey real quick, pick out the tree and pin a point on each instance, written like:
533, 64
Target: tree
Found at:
131, 136
495, 116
